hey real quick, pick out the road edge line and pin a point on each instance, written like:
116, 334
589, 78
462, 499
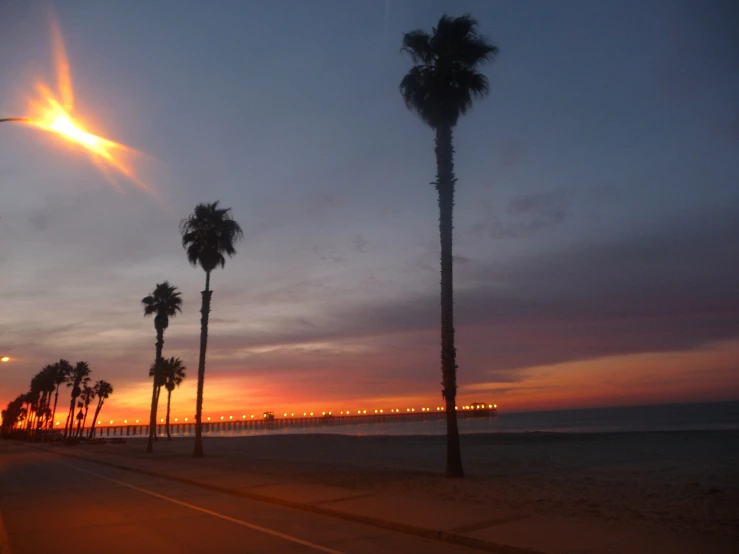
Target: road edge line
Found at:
448, 537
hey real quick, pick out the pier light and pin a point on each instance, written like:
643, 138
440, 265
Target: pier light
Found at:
175, 420
126, 421
495, 405
284, 415
375, 411
252, 416
364, 411
243, 416
230, 417
311, 413
359, 411
413, 409
221, 417
329, 413
185, 420
380, 410
490, 405
99, 422
323, 413
209, 418
111, 422
138, 421
342, 413
292, 415
456, 407
160, 421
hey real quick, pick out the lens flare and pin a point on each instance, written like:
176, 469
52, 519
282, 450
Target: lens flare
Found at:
52, 111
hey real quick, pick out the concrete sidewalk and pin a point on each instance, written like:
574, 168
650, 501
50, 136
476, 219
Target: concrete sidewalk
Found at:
481, 527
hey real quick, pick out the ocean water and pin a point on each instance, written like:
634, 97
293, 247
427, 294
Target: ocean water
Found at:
714, 416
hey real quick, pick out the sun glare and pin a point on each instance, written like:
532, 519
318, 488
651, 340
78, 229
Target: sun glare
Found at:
52, 111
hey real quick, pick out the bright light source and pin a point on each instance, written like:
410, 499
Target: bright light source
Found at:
138, 421
111, 422
57, 423
221, 417
5, 359
284, 415
185, 420
311, 413
175, 419
380, 411
252, 416
495, 405
160, 421
126, 421
230, 417
243, 416
208, 418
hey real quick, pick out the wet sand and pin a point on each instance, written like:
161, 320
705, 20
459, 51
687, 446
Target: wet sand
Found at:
678, 482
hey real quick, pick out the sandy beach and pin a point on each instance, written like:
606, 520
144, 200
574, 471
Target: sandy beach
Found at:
679, 482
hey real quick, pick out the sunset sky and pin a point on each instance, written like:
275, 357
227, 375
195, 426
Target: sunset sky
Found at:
596, 228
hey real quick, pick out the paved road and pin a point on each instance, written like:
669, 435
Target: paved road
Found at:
54, 504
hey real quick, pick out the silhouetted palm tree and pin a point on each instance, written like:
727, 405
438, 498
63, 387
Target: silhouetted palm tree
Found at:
161, 378
440, 88
174, 373
163, 303
87, 396
103, 390
207, 234
62, 371
78, 377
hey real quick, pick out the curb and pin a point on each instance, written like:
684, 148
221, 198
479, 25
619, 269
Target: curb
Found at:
448, 537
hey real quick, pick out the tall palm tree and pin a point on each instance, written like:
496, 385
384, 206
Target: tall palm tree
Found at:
103, 390
163, 303
62, 371
207, 234
79, 376
440, 88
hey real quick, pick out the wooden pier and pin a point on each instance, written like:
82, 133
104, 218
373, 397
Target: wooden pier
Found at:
243, 424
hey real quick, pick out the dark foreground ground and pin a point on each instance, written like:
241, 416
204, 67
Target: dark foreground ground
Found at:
54, 504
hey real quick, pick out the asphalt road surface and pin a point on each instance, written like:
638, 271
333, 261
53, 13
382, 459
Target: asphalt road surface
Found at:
54, 504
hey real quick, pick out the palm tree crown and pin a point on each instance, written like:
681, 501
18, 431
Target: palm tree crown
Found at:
441, 85
209, 233
164, 303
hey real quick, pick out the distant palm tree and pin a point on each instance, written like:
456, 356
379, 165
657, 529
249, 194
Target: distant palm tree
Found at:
164, 302
62, 371
87, 396
161, 377
172, 374
440, 88
103, 390
78, 377
207, 234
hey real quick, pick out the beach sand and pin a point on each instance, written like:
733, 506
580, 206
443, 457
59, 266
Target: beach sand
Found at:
675, 482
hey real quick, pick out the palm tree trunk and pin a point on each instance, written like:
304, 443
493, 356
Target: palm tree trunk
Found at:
154, 395
84, 421
169, 401
53, 414
70, 419
445, 182
94, 419
204, 311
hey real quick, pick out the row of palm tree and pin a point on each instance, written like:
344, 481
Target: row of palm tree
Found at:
208, 236
440, 87
37, 412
